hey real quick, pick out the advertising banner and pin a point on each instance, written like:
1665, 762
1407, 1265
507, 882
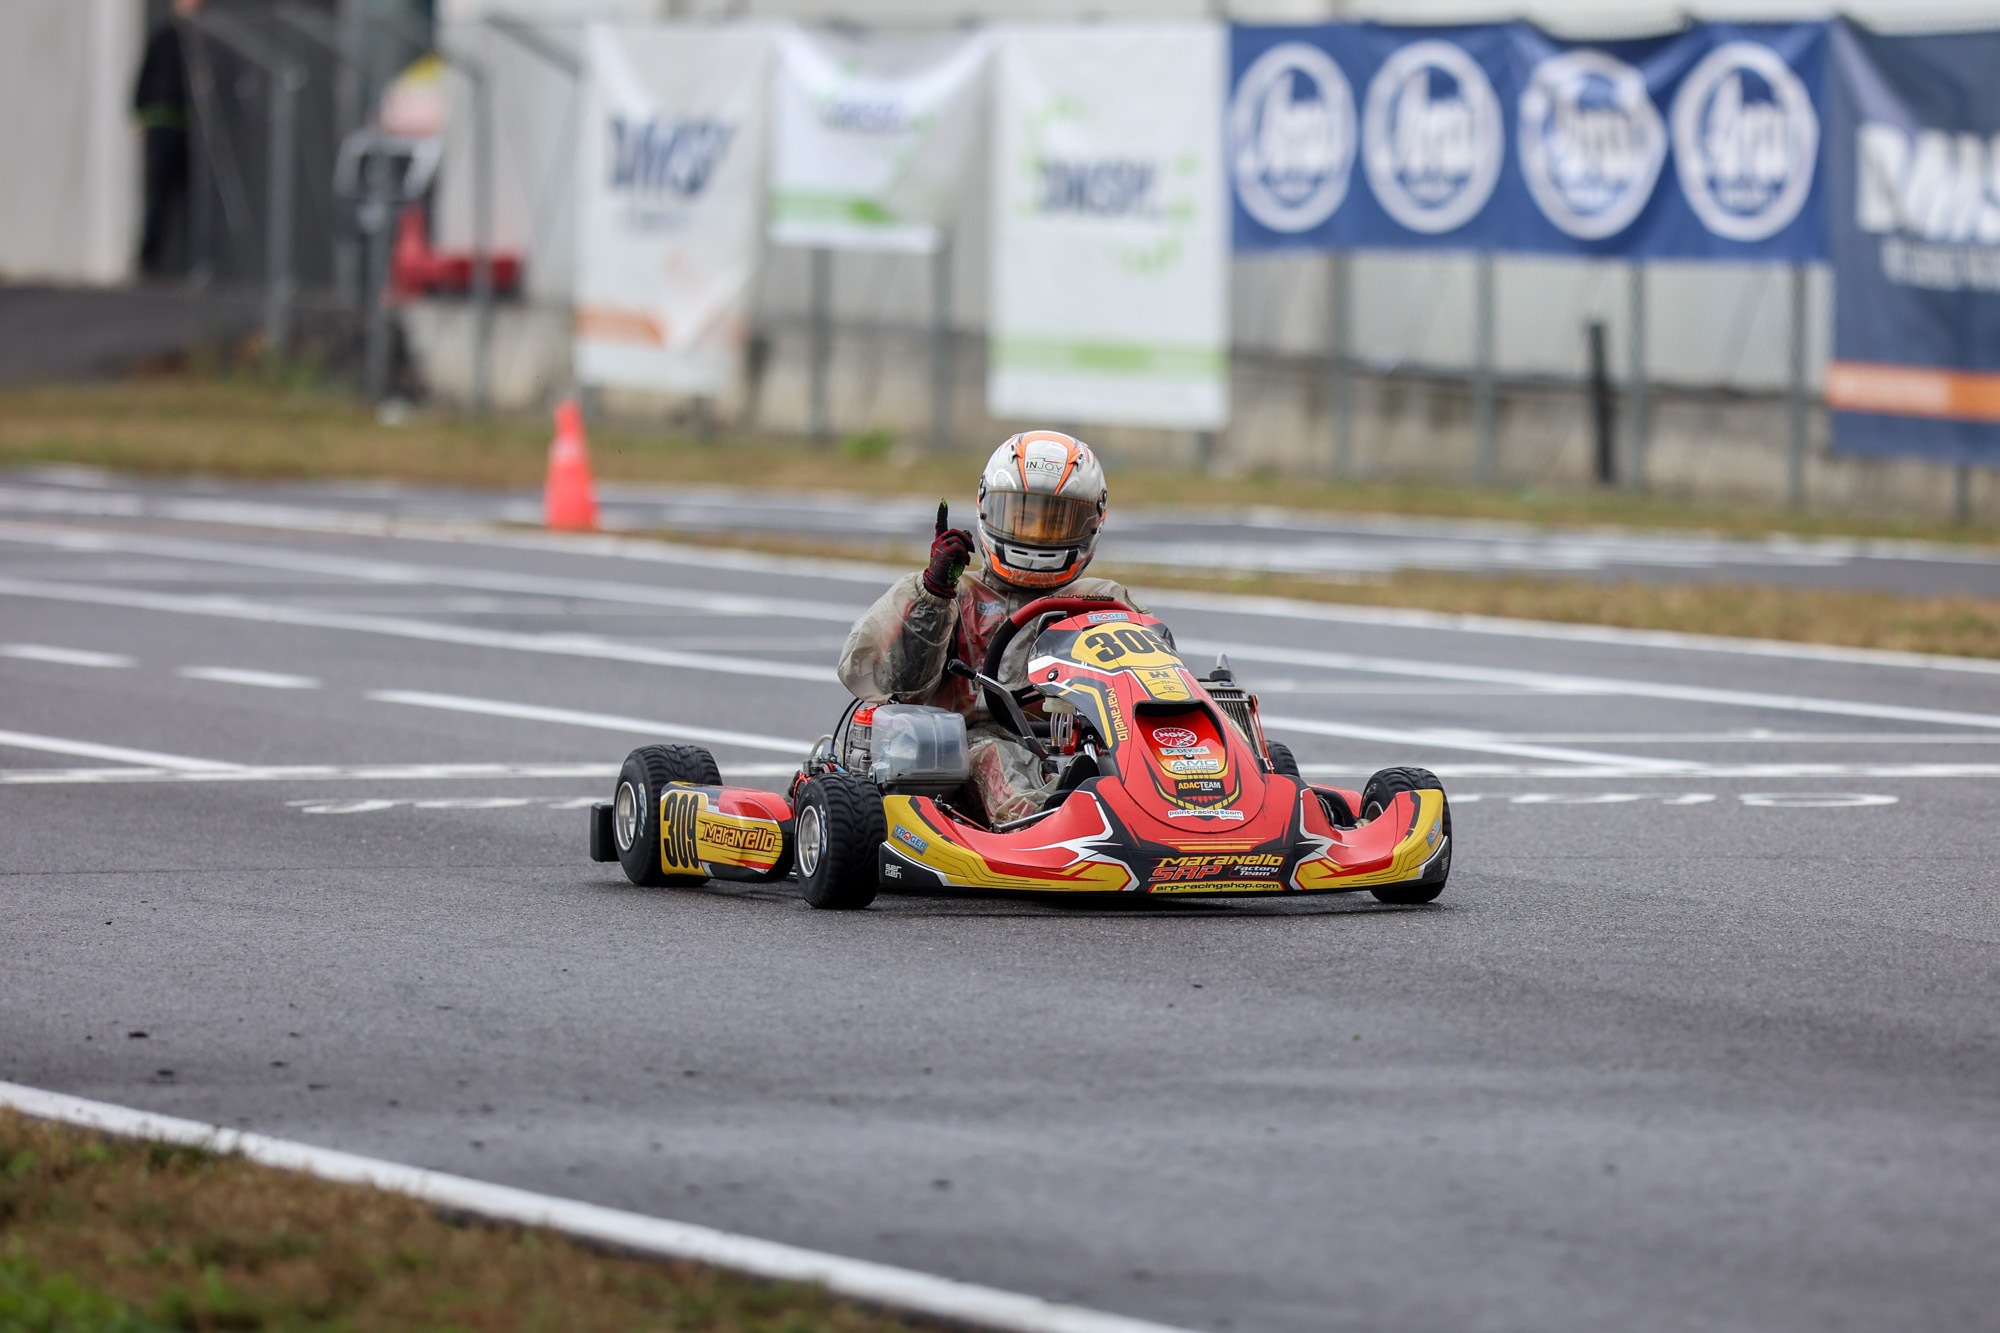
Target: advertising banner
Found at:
1704, 144
1110, 267
1913, 168
872, 137
670, 181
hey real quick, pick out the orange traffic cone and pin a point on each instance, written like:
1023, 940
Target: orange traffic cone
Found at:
568, 500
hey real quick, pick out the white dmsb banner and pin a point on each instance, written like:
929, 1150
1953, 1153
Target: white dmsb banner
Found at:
670, 181
1110, 231
872, 137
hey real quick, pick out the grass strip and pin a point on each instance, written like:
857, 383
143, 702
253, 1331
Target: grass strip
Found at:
241, 427
100, 1234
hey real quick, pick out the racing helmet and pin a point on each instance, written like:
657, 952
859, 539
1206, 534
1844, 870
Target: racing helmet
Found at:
1041, 503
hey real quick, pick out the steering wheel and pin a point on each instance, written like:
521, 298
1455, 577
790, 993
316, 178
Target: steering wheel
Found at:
1012, 627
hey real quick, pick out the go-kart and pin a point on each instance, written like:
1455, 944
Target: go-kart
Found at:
1162, 783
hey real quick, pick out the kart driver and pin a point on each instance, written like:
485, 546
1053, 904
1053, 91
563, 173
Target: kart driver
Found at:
1041, 503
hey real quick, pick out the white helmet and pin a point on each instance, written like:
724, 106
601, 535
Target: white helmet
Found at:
1041, 502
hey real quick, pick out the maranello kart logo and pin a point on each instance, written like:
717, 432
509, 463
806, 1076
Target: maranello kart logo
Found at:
1592, 143
1745, 141
1291, 130
656, 157
1431, 138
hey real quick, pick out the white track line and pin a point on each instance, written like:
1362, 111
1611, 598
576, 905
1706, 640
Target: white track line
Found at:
271, 613
866, 572
1559, 683
593, 646
858, 1279
118, 754
1462, 740
459, 703
83, 657
263, 680
57, 777
399, 573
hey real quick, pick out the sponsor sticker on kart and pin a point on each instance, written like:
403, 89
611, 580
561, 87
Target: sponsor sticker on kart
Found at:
1223, 813
1194, 765
1104, 617
1175, 739
911, 840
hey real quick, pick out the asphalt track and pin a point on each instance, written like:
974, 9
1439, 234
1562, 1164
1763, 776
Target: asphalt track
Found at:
1271, 540
1702, 1034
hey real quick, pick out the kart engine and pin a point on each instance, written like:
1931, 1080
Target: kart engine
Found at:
908, 749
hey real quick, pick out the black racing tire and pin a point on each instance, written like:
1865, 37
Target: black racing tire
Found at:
635, 807
1282, 762
1376, 793
838, 830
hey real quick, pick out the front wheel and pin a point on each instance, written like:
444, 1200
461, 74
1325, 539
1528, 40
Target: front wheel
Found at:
838, 833
635, 807
1376, 794
1282, 761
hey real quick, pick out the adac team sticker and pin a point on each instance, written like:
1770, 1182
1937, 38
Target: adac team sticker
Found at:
1291, 137
1746, 141
1431, 137
1591, 143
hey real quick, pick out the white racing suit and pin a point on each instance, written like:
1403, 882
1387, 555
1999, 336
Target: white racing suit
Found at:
897, 653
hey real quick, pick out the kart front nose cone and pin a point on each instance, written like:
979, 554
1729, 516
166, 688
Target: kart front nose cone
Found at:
625, 816
811, 837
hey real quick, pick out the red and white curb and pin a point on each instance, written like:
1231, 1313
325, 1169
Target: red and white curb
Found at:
881, 1284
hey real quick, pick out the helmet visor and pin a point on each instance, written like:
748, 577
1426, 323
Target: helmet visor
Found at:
1045, 520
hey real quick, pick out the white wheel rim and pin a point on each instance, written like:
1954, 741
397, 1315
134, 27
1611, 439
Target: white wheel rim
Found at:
625, 816
812, 840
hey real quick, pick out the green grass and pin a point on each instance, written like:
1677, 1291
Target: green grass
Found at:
108, 1235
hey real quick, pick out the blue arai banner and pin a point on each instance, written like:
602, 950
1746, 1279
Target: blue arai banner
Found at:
1498, 137
1913, 176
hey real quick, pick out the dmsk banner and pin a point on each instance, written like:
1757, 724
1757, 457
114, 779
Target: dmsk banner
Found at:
670, 198
1913, 168
1110, 266
1703, 145
873, 136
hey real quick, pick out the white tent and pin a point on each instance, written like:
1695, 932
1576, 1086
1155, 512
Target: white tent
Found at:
69, 148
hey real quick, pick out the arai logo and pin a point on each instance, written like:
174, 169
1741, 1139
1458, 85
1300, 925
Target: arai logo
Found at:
1592, 143
1291, 130
1745, 141
1431, 137
1175, 737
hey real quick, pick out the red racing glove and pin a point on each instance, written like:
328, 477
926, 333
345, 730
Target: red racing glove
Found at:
951, 552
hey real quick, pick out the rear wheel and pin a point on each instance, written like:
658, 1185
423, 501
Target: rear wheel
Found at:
635, 807
838, 833
1376, 794
1282, 761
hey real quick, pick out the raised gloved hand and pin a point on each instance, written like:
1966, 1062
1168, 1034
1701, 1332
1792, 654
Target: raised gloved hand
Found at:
951, 552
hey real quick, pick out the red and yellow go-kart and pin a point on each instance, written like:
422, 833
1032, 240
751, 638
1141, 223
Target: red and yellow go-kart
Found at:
1163, 783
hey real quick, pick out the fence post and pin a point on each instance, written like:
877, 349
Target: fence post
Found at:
482, 235
1486, 445
1602, 417
375, 282
286, 80
821, 423
1636, 423
1795, 398
942, 361
1339, 362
